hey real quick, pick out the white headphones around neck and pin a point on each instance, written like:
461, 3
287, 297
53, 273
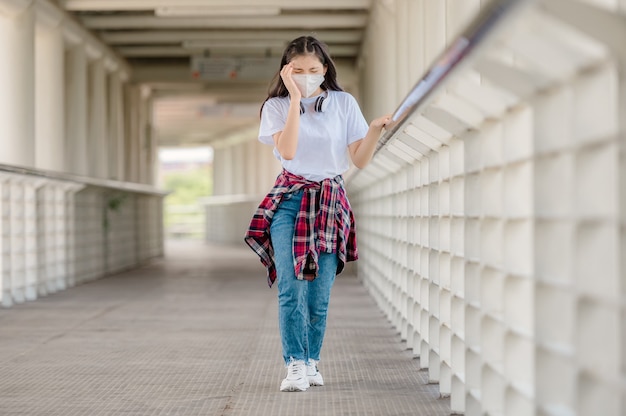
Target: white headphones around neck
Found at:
321, 103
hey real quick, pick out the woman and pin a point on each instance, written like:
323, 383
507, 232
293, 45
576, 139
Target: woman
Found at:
304, 229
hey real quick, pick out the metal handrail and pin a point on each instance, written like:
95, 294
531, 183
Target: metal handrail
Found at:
491, 16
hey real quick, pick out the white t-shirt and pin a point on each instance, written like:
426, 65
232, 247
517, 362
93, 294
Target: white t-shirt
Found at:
323, 138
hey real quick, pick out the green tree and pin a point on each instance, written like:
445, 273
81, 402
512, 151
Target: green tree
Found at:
183, 216
187, 187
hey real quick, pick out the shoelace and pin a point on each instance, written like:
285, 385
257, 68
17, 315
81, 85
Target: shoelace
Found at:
296, 370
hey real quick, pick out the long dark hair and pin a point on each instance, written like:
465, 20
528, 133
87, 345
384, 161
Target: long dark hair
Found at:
304, 45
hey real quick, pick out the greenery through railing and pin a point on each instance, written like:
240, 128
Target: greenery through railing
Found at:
183, 213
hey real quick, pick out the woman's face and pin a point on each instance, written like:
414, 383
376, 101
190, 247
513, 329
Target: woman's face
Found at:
307, 64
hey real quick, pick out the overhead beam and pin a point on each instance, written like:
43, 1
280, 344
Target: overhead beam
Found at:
181, 72
306, 22
150, 73
129, 5
176, 36
222, 93
177, 51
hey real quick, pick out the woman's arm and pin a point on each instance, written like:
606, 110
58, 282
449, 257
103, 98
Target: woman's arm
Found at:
286, 141
362, 150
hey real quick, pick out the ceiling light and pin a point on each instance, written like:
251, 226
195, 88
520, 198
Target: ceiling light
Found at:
187, 11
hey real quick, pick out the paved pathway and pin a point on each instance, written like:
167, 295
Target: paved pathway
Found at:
196, 333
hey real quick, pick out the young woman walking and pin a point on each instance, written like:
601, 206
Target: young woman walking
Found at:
303, 230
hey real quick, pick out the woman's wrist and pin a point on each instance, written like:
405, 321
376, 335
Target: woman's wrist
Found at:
295, 96
374, 132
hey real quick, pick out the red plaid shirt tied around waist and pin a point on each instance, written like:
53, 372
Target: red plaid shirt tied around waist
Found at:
325, 223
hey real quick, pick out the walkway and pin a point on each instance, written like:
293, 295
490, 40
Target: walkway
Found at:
196, 334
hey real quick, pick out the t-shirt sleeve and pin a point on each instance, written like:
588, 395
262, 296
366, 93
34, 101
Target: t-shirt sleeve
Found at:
272, 121
357, 127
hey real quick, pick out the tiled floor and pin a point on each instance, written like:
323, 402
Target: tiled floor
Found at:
196, 333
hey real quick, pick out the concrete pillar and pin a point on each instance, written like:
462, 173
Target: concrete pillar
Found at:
403, 54
139, 148
378, 61
49, 91
621, 178
131, 147
17, 83
415, 35
458, 14
258, 175
97, 148
435, 30
386, 49
149, 147
269, 167
217, 164
235, 170
248, 167
116, 126
76, 115
222, 176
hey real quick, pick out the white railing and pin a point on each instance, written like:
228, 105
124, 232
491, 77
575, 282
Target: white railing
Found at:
227, 217
59, 230
491, 221
184, 221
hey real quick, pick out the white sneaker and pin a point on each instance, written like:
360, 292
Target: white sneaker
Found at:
296, 379
314, 376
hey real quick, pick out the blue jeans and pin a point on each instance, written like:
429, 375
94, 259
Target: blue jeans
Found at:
302, 304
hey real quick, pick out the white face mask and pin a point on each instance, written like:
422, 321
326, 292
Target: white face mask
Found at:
308, 84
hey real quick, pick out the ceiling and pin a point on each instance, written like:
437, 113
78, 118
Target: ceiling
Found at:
209, 62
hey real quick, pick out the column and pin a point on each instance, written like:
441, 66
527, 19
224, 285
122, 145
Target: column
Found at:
236, 169
262, 167
222, 177
116, 126
144, 144
458, 14
17, 83
415, 34
622, 217
97, 140
434, 30
270, 166
131, 147
137, 144
76, 114
250, 168
49, 90
403, 53
384, 56
150, 147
